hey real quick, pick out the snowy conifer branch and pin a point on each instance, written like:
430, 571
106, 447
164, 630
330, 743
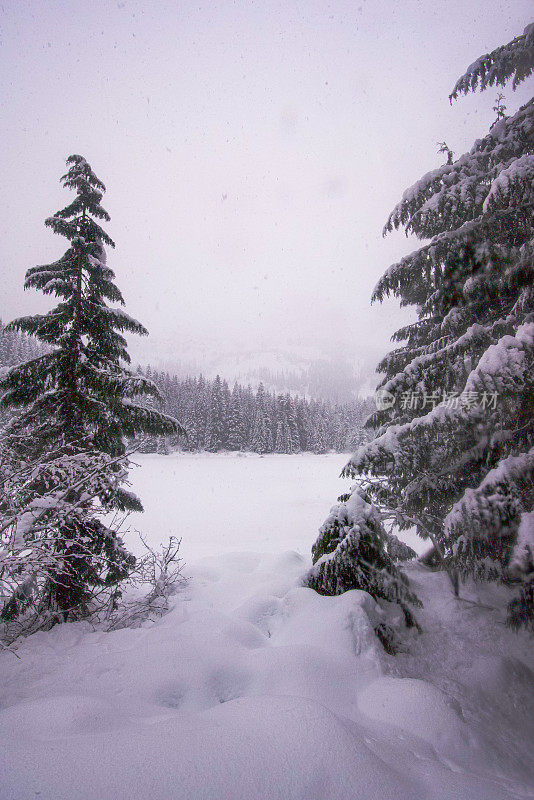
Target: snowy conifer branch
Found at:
515, 59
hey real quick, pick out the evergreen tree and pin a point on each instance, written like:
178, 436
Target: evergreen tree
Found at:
282, 442
148, 442
200, 411
216, 419
248, 406
294, 439
354, 551
453, 452
79, 397
237, 433
216, 425
302, 413
317, 431
261, 439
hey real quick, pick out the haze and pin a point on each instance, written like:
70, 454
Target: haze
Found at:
251, 153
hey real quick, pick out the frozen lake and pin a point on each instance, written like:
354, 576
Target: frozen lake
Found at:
227, 502
220, 503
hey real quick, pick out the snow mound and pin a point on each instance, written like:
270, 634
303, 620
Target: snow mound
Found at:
253, 748
254, 686
418, 708
59, 716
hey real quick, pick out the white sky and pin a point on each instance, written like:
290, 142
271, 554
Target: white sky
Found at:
251, 151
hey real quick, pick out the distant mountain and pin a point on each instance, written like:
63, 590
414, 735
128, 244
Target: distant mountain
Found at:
303, 371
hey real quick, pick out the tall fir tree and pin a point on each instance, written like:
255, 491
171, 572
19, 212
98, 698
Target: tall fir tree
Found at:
282, 440
237, 433
261, 438
79, 397
199, 413
216, 425
294, 438
453, 454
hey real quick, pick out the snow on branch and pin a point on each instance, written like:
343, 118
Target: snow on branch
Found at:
515, 59
454, 193
487, 531
499, 369
518, 179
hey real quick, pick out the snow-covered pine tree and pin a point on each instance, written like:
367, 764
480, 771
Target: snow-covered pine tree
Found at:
317, 431
79, 397
302, 414
354, 551
148, 442
248, 414
453, 454
261, 437
216, 425
175, 390
89, 392
292, 423
282, 440
237, 433
199, 413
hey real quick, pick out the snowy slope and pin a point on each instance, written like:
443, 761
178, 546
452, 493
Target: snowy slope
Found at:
254, 687
232, 363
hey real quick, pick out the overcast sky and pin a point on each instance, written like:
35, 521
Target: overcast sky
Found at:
251, 152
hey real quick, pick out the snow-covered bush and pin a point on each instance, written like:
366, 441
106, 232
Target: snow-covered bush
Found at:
159, 574
58, 554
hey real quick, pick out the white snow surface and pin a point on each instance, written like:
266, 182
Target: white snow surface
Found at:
253, 686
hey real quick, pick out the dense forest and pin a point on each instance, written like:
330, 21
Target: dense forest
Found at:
217, 418
16, 347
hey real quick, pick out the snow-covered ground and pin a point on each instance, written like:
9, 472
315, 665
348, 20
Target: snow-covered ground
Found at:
222, 502
255, 687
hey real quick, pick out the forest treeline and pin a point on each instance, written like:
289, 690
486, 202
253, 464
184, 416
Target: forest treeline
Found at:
17, 347
216, 418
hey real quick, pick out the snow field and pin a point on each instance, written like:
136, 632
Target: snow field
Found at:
222, 502
253, 686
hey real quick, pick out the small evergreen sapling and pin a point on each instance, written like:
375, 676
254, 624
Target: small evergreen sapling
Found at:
354, 551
